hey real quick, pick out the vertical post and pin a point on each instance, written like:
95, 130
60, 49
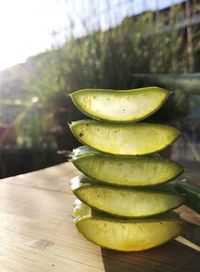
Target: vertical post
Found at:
189, 37
157, 12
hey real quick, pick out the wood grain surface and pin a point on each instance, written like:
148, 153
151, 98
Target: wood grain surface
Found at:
37, 233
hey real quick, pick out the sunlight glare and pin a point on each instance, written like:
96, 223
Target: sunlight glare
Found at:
26, 28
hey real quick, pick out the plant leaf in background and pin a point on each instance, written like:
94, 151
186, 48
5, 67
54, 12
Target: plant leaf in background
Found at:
191, 192
187, 83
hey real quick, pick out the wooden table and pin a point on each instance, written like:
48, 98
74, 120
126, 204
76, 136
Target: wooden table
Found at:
37, 233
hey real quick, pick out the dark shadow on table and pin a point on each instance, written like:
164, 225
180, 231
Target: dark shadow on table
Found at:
172, 257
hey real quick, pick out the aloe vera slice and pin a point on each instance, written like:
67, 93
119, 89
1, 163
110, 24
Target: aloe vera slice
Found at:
125, 202
124, 139
120, 105
126, 234
126, 171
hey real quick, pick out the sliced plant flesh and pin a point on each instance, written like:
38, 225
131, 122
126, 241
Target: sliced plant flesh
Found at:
126, 202
125, 234
124, 170
120, 105
124, 139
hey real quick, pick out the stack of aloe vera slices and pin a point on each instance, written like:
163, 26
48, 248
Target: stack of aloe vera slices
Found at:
123, 203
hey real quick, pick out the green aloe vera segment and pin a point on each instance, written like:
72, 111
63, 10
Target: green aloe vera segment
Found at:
125, 202
125, 234
122, 170
124, 139
120, 105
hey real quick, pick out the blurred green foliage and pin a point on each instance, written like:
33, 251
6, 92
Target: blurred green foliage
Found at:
34, 131
110, 59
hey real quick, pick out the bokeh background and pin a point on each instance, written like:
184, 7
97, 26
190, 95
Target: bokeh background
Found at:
50, 48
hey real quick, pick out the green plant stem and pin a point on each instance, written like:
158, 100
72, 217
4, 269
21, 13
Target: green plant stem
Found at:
191, 192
